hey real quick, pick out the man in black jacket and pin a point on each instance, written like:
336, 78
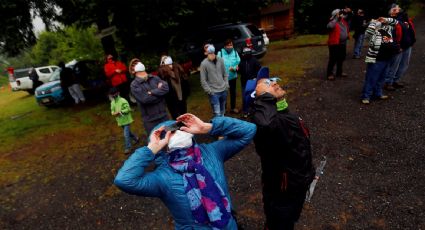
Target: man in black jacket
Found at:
283, 144
248, 68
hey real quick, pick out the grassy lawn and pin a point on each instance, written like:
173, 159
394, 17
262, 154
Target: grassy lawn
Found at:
33, 137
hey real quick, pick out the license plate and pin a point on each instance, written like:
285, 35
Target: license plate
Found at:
45, 100
259, 43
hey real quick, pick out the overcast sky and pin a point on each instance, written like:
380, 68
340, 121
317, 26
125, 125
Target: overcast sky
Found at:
38, 25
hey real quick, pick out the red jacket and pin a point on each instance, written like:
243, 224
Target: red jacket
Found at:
114, 78
335, 32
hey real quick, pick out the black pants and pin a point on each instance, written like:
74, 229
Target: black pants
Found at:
337, 55
232, 90
282, 212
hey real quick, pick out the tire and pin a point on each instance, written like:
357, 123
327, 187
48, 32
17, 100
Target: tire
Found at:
30, 91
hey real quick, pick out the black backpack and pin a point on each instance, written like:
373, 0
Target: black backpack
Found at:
302, 173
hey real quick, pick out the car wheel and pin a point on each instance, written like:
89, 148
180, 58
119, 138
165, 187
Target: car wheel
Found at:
30, 91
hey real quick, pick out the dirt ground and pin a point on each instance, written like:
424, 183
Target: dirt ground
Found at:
373, 178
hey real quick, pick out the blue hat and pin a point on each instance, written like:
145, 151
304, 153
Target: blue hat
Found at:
210, 49
264, 72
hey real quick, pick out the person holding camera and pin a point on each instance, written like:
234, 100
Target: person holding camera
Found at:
337, 42
189, 177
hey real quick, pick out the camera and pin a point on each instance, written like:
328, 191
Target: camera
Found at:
173, 127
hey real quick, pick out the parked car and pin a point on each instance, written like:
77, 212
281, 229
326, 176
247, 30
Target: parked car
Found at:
89, 74
17, 75
242, 34
265, 38
22, 80
50, 93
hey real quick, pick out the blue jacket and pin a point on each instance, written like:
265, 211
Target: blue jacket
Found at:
230, 60
167, 185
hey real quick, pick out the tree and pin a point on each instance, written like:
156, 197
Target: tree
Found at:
141, 25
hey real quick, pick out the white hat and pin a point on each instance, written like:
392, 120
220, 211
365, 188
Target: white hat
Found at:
335, 12
139, 67
168, 61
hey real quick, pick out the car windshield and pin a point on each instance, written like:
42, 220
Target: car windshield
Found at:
55, 75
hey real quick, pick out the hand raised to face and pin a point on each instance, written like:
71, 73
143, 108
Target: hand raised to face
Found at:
155, 141
194, 125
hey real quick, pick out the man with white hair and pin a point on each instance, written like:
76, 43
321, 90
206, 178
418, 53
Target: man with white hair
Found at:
149, 91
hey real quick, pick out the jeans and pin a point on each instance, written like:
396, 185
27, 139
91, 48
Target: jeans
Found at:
374, 80
128, 136
337, 55
392, 68
218, 103
404, 64
358, 45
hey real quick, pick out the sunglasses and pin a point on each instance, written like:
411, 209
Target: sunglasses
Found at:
268, 82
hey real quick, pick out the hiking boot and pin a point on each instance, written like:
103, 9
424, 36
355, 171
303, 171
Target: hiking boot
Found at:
365, 101
331, 77
389, 87
383, 97
397, 85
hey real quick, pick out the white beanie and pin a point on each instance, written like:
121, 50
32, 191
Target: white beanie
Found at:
168, 61
335, 12
139, 67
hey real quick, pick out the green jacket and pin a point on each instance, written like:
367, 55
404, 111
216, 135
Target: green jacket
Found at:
121, 104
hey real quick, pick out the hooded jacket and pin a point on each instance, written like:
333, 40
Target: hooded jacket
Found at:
121, 104
283, 144
231, 59
114, 78
167, 185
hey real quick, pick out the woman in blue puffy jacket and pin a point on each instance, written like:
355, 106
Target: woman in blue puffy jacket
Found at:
189, 177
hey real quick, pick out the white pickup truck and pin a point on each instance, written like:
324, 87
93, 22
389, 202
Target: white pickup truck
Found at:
22, 81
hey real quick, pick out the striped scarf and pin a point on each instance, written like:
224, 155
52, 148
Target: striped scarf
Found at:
208, 203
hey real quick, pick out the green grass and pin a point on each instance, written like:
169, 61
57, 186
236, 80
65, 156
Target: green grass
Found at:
300, 41
34, 137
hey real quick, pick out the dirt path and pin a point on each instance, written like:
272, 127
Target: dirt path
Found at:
372, 180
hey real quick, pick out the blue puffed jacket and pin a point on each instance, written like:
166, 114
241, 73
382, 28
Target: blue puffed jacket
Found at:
167, 185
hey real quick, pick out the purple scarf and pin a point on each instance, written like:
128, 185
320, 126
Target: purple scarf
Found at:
208, 203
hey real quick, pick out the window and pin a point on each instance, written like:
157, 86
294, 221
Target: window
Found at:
267, 22
44, 70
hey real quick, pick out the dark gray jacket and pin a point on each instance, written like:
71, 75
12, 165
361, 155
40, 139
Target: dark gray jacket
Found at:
152, 106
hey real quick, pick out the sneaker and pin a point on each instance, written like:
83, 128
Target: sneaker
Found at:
383, 97
397, 85
356, 57
343, 75
365, 101
389, 87
331, 77
127, 151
